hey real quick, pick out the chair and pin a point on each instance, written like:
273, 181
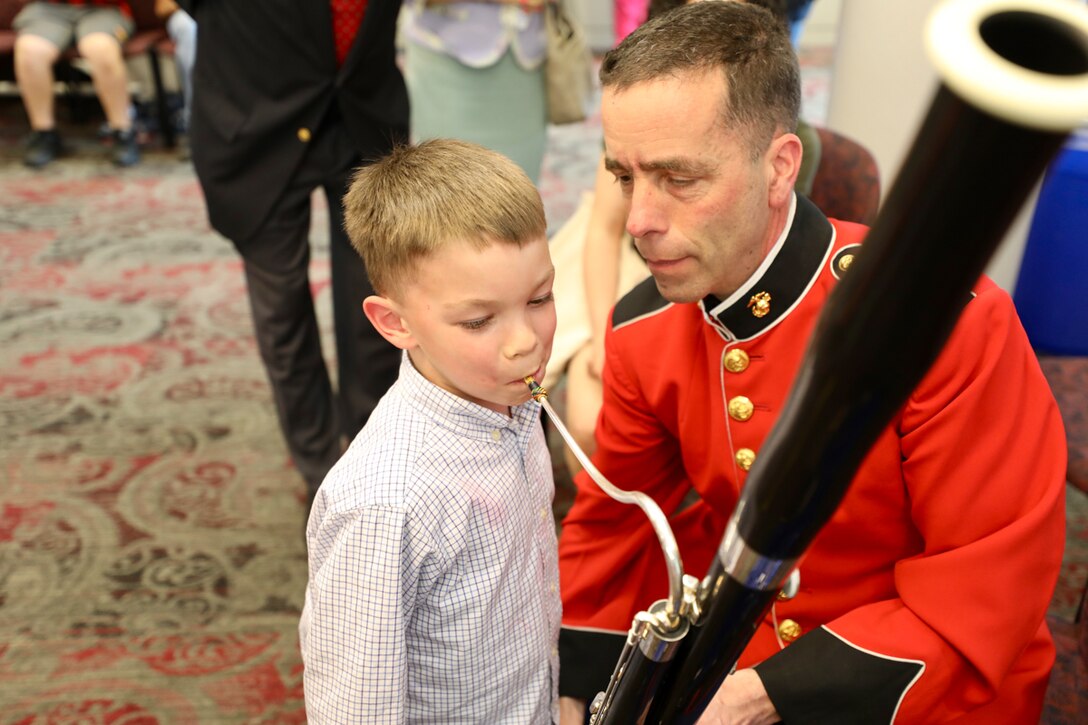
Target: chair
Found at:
847, 183
8, 10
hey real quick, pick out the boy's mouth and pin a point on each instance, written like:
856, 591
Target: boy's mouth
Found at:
536, 375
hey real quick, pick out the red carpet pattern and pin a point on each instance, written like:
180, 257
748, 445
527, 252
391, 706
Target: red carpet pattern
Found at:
151, 558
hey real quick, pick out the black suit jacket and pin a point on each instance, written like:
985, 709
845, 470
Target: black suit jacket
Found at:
265, 79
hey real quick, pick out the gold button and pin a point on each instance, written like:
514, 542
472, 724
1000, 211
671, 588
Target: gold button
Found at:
736, 361
845, 261
745, 458
740, 408
304, 135
496, 434
789, 630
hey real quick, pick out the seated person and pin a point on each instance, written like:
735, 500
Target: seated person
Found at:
433, 592
44, 31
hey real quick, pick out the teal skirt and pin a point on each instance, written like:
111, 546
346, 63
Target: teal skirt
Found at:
501, 107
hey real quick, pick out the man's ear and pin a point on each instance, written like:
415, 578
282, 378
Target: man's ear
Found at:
784, 163
384, 314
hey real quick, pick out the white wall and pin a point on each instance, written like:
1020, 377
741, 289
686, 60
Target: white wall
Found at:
882, 84
821, 25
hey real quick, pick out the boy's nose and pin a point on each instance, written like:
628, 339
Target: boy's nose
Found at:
521, 341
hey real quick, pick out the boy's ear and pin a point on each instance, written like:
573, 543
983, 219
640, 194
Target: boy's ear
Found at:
387, 320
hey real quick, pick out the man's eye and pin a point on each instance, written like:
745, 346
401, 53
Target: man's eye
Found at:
542, 300
680, 181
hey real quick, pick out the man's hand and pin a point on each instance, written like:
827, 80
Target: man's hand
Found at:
572, 711
741, 700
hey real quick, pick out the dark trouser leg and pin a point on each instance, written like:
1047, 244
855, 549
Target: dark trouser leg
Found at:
366, 363
276, 267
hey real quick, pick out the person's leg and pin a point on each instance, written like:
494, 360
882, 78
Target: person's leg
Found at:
366, 363
182, 30
110, 78
276, 262
99, 36
34, 59
42, 34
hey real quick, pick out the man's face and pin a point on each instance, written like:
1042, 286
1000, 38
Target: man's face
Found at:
701, 207
480, 320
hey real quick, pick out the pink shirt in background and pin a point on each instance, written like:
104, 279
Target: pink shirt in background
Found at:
628, 15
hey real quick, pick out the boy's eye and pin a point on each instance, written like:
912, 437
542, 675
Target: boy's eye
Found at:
475, 324
542, 300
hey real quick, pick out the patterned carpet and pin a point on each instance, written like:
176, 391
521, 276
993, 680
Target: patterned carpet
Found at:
151, 559
151, 562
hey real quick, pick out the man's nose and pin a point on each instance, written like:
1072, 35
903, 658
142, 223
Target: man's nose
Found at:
644, 216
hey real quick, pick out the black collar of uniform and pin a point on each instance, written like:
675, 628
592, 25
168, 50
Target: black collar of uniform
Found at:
795, 263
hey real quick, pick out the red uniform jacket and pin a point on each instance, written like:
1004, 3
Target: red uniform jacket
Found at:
924, 597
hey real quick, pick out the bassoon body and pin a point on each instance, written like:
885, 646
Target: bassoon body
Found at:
1014, 84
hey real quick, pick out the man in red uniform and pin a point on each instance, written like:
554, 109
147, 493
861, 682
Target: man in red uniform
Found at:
923, 599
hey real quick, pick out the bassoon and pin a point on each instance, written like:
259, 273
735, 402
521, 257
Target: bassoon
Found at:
1013, 85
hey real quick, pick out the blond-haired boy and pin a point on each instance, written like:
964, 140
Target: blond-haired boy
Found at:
433, 586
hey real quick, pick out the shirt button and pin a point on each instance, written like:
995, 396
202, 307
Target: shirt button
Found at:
496, 434
304, 135
740, 408
543, 513
745, 458
736, 361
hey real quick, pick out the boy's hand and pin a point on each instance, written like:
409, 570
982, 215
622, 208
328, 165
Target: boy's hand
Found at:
572, 711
